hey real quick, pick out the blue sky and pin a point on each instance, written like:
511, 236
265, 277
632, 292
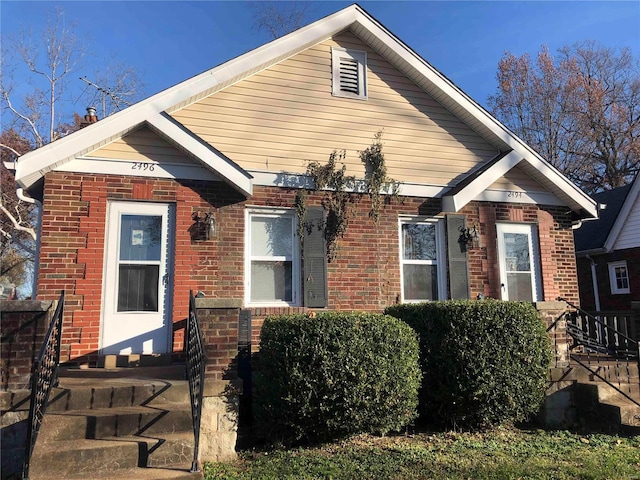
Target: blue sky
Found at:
168, 42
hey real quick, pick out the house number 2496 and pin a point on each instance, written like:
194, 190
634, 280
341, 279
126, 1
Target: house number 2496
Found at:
142, 166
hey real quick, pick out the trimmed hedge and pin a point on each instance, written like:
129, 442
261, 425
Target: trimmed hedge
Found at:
334, 375
484, 362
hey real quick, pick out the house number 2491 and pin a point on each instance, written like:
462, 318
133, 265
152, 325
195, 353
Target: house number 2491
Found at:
142, 166
513, 194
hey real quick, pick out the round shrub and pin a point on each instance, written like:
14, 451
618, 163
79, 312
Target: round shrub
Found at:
334, 375
484, 362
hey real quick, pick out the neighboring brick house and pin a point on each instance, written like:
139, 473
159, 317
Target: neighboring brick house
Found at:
129, 202
608, 252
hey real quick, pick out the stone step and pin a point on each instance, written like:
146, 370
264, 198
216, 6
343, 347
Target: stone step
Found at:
595, 374
150, 473
115, 422
99, 458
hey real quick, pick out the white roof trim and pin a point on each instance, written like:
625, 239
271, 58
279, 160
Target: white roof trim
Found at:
36, 164
453, 203
624, 213
218, 163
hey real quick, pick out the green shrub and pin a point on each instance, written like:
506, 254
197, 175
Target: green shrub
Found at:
333, 375
483, 362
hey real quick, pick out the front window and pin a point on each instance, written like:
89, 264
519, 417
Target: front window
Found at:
420, 260
273, 258
619, 277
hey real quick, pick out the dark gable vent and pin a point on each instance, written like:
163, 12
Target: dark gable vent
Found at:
349, 76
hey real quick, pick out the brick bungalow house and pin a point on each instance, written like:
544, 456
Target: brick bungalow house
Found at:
608, 252
194, 189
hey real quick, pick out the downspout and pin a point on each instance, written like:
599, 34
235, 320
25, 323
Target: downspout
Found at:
36, 261
594, 280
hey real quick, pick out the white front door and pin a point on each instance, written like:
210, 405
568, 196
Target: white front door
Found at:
519, 262
135, 317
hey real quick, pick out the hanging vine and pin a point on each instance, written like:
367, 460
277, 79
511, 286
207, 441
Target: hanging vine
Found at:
376, 180
337, 187
335, 184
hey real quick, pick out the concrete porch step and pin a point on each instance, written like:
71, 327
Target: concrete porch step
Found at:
180, 472
115, 422
100, 458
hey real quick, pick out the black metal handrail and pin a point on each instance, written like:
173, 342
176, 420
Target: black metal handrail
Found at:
599, 338
195, 374
44, 376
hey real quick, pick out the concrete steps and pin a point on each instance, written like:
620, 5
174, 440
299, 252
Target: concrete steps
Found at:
115, 423
606, 393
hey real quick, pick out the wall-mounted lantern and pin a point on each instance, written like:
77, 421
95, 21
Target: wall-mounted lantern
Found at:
204, 227
469, 237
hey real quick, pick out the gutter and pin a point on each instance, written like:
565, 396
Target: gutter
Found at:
594, 280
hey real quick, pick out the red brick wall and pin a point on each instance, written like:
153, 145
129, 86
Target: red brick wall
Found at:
365, 275
24, 325
608, 301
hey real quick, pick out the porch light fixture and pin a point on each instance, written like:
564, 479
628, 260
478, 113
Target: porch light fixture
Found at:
212, 227
469, 237
204, 227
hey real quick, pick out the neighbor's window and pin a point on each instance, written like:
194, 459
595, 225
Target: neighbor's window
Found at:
349, 73
420, 263
619, 277
273, 259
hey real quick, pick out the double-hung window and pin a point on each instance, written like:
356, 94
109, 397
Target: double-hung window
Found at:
619, 277
421, 260
272, 258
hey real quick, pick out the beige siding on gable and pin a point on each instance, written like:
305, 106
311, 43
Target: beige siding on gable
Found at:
142, 145
517, 180
282, 118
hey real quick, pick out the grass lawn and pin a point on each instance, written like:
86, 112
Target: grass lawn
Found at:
506, 453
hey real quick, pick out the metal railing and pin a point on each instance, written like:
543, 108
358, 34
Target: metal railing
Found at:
195, 374
598, 343
44, 376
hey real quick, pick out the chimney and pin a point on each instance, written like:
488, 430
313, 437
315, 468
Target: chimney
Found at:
90, 117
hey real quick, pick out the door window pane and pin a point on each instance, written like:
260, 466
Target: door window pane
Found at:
138, 288
516, 247
519, 286
140, 237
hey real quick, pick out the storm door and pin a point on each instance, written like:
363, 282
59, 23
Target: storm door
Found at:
519, 262
137, 282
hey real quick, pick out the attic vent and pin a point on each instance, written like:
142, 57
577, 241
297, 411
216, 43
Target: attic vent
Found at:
349, 73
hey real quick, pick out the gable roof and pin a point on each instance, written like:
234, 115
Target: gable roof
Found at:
34, 165
599, 236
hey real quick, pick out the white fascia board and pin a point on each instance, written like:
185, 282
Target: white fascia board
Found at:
479, 113
221, 165
453, 203
624, 213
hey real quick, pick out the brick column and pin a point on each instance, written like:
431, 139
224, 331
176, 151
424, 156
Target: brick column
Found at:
553, 316
220, 406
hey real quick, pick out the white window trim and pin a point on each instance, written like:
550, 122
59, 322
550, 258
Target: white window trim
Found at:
534, 255
358, 56
440, 261
295, 266
612, 277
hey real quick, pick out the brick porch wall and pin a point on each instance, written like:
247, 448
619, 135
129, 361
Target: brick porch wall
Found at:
364, 276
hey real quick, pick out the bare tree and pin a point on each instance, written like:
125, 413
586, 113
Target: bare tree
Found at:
581, 111
17, 217
39, 80
279, 18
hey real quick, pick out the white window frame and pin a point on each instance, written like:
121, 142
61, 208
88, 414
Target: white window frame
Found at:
439, 262
361, 59
295, 258
615, 290
534, 257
